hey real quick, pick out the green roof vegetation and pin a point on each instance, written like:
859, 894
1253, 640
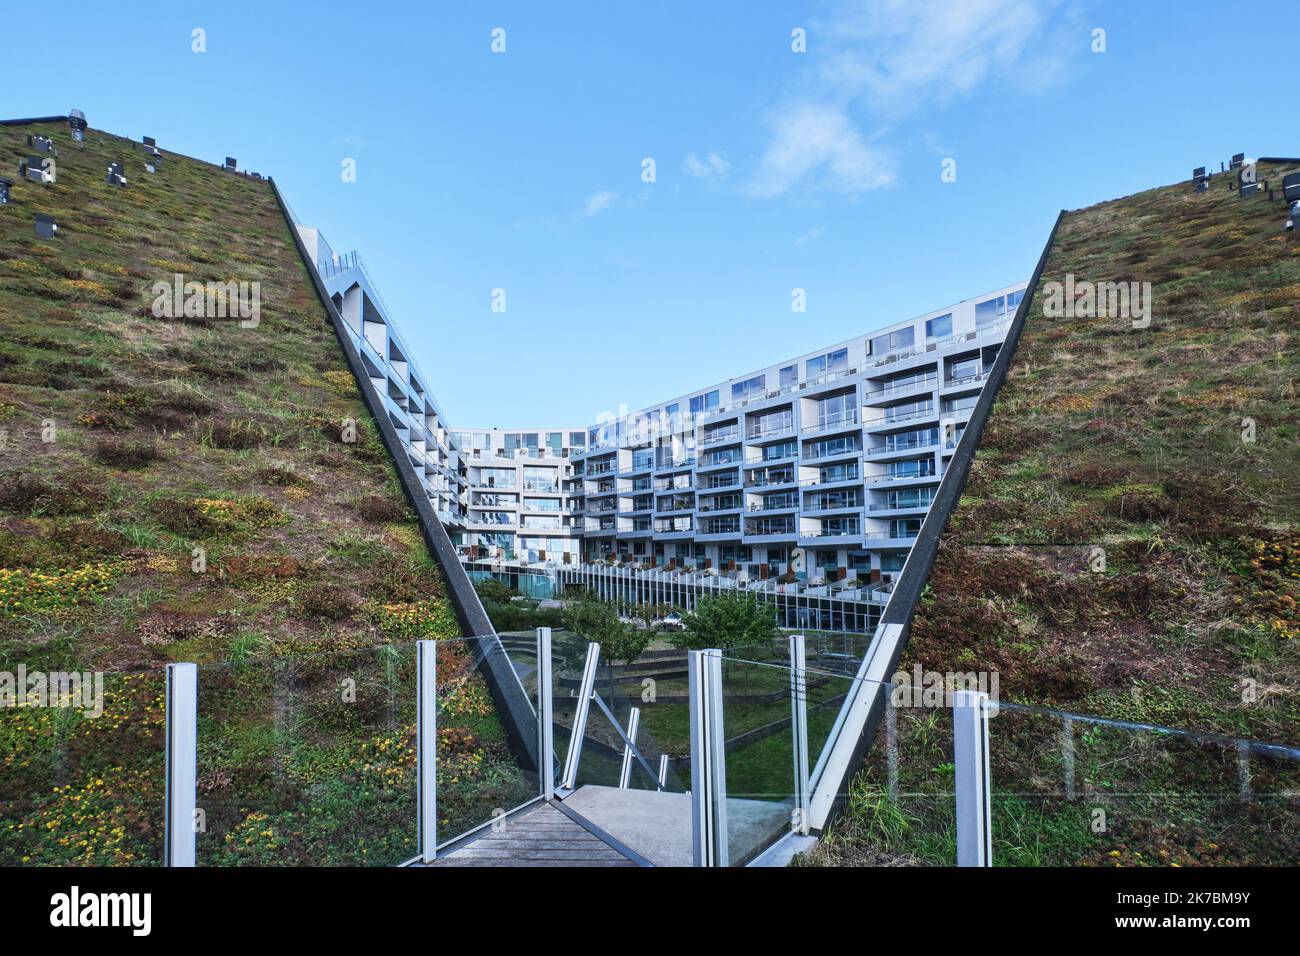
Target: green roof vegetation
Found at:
1126, 546
176, 434
182, 489
1126, 543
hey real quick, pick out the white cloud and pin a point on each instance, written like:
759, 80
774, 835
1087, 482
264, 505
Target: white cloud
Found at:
899, 56
598, 202
712, 165
809, 236
819, 145
889, 58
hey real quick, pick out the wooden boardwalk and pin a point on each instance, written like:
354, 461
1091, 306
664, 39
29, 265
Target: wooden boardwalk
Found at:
541, 836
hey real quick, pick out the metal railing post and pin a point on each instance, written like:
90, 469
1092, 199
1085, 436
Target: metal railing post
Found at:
426, 744
182, 763
588, 687
799, 728
970, 751
545, 715
708, 760
625, 771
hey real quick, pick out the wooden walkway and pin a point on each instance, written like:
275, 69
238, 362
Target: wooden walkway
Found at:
541, 836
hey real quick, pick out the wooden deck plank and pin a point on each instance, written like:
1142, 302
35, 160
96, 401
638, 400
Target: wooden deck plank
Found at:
542, 836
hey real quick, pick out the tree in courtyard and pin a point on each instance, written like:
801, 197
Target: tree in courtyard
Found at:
596, 621
728, 620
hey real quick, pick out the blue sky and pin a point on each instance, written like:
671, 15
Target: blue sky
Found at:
774, 170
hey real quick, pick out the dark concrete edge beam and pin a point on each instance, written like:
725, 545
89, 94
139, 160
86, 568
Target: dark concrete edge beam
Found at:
512, 703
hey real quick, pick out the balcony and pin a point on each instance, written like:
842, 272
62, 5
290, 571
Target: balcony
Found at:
771, 481
913, 505
725, 436
725, 461
903, 448
833, 423
813, 509
850, 451
718, 532
827, 534
673, 464
892, 479
965, 381
879, 424
787, 504
771, 460
759, 533
834, 479
924, 382
770, 430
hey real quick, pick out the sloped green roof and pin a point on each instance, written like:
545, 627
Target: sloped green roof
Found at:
1126, 543
173, 434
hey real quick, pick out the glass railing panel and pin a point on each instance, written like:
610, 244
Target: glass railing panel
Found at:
487, 732
901, 808
568, 654
1072, 790
83, 769
308, 760
760, 776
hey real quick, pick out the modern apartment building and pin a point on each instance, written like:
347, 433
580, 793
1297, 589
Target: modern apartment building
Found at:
523, 503
819, 468
816, 470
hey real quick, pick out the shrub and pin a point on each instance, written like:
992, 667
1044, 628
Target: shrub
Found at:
328, 602
234, 434
380, 509
490, 589
126, 455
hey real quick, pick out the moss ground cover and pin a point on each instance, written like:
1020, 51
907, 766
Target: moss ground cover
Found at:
178, 489
1127, 541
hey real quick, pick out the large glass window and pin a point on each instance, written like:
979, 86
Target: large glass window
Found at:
938, 328
703, 403
836, 409
893, 341
835, 361
498, 477
912, 468
789, 376
577, 440
963, 369
752, 386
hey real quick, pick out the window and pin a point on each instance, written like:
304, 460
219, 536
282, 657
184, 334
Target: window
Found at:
998, 309
893, 341
836, 409
789, 376
751, 386
830, 362
963, 369
703, 403
780, 450
670, 416
577, 440
939, 328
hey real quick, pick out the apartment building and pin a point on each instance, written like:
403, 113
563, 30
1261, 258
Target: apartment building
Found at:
523, 503
816, 469
415, 413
